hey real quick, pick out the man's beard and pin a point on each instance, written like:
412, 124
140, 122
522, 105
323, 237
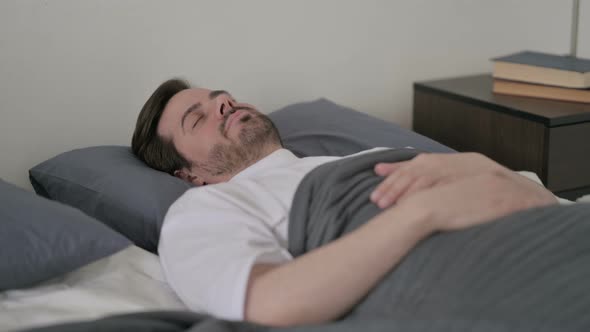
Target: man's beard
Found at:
257, 134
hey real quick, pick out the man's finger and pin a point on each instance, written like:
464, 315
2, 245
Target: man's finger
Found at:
391, 193
384, 169
418, 185
383, 187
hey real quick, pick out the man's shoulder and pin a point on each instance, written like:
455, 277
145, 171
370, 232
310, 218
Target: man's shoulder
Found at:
206, 195
234, 196
200, 208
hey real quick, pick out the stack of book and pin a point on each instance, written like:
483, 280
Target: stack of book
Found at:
541, 75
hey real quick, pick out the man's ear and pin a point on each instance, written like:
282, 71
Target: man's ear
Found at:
188, 177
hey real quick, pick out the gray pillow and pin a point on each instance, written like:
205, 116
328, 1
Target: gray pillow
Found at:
323, 128
41, 239
112, 185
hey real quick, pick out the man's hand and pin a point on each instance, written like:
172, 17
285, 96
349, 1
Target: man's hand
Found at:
427, 170
475, 200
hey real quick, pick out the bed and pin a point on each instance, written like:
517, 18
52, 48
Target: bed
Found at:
114, 206
108, 185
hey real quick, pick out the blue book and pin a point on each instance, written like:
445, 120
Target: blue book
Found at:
542, 68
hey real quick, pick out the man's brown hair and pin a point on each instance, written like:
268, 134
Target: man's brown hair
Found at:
154, 150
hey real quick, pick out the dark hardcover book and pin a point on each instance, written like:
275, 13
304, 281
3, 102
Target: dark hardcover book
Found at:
538, 59
541, 68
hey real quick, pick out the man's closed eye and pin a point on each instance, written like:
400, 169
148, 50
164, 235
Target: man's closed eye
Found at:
196, 121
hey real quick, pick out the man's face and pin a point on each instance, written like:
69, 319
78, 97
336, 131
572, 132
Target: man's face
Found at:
216, 134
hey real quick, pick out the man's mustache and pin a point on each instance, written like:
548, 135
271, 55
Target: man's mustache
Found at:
232, 111
237, 108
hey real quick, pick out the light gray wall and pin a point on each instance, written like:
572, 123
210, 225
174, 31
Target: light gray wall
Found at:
75, 73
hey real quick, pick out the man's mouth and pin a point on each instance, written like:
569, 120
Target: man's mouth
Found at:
233, 118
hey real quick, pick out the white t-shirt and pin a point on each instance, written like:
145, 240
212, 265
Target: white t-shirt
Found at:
213, 235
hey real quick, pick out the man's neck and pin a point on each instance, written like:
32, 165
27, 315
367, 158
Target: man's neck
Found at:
270, 149
264, 152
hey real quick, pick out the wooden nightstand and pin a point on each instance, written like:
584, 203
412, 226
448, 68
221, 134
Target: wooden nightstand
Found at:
550, 138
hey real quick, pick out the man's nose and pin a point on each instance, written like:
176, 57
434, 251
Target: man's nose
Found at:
225, 108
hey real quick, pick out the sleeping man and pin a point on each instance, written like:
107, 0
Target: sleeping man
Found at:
224, 245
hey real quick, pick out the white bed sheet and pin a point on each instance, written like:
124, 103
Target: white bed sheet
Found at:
128, 281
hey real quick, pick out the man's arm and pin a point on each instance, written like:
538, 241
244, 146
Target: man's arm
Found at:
325, 283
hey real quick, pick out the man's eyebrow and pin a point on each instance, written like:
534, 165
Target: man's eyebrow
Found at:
192, 108
216, 93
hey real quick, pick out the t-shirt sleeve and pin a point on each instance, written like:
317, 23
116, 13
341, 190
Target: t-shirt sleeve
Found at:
208, 244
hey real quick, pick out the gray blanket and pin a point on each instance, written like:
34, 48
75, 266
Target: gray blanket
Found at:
529, 271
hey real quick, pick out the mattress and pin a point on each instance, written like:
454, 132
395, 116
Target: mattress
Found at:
128, 281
